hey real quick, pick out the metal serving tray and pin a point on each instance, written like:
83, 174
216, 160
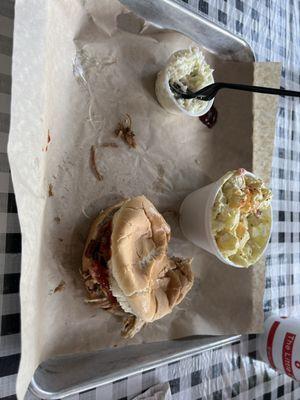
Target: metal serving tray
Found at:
66, 375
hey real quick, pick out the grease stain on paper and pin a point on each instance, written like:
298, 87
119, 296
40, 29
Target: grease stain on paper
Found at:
130, 22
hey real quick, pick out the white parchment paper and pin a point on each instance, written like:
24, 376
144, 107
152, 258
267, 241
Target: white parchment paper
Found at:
77, 69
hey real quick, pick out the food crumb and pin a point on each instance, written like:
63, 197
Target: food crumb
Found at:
85, 214
48, 141
57, 220
95, 171
125, 132
109, 144
50, 190
60, 287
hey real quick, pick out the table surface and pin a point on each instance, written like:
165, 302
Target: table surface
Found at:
271, 27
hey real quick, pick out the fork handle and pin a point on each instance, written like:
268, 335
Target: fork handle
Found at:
259, 89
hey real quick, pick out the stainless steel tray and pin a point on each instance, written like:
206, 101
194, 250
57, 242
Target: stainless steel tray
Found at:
66, 375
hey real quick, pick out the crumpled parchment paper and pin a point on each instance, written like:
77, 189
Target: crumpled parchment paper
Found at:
77, 70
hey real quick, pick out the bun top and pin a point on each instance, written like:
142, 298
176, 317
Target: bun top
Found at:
149, 281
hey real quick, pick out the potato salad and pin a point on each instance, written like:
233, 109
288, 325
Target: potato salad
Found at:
241, 218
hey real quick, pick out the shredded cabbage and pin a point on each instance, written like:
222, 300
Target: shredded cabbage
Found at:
189, 70
241, 218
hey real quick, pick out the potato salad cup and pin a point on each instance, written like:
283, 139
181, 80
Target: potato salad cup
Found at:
230, 218
189, 71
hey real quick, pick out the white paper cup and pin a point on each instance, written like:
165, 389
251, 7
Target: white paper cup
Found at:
196, 221
167, 100
279, 345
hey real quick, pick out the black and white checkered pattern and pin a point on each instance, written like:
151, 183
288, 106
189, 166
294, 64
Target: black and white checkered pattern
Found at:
272, 28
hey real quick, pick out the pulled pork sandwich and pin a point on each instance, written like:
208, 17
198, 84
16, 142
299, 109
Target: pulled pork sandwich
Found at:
125, 266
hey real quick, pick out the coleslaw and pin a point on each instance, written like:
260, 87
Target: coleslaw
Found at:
189, 70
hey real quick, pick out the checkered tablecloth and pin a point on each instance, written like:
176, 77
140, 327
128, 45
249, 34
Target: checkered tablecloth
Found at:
272, 28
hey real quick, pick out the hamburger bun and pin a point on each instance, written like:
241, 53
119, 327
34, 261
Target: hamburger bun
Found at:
136, 275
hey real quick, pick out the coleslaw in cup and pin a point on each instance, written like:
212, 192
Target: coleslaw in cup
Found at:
188, 70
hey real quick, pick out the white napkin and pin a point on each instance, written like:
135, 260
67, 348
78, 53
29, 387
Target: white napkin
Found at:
157, 392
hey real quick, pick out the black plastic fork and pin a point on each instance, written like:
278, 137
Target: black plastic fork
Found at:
209, 92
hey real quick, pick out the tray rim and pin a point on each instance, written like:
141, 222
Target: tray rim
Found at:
38, 391
205, 21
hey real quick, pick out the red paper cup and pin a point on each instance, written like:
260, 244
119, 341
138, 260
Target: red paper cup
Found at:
279, 345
